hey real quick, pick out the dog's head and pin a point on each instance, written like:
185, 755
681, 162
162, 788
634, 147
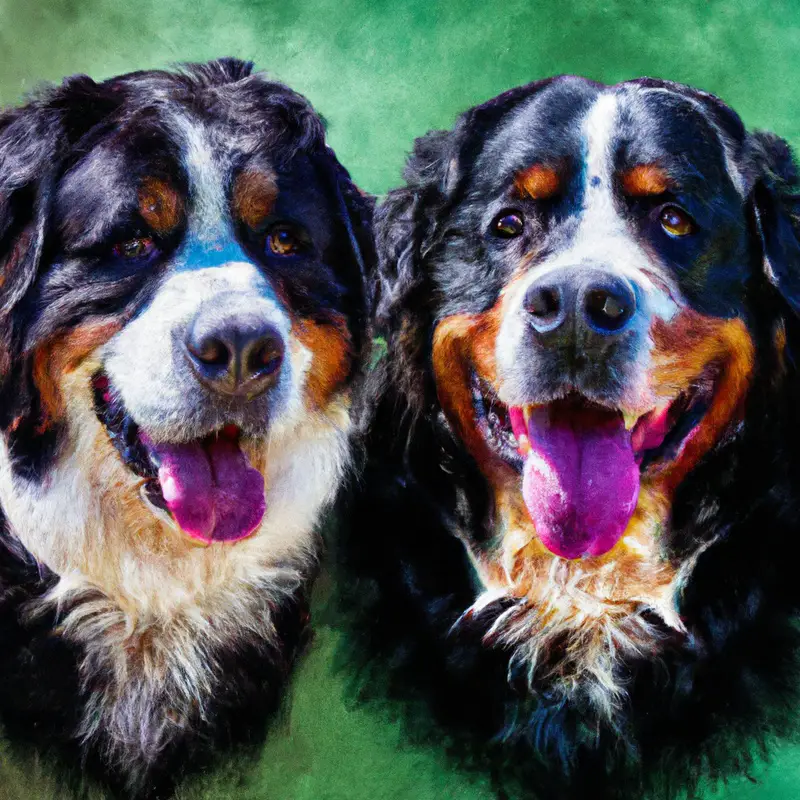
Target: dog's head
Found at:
574, 280
182, 310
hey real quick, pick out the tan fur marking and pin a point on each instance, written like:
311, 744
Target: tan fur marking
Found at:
463, 343
160, 205
330, 348
780, 341
537, 182
572, 620
64, 354
687, 347
254, 196
645, 180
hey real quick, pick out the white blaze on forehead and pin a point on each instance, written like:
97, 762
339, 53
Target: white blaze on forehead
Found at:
598, 132
604, 239
205, 159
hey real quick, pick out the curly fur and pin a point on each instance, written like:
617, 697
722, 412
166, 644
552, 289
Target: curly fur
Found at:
129, 652
594, 681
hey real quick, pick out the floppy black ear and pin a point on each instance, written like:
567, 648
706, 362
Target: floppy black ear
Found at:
775, 198
408, 229
405, 223
28, 154
402, 222
356, 210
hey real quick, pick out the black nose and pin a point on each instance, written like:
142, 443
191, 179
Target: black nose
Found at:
608, 302
234, 351
578, 298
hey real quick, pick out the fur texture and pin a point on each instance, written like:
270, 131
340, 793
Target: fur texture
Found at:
129, 210
671, 656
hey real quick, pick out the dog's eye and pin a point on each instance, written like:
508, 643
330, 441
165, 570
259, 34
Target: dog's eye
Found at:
508, 224
135, 249
675, 221
284, 241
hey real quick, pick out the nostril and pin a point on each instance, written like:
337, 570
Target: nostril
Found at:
265, 356
210, 350
544, 305
608, 308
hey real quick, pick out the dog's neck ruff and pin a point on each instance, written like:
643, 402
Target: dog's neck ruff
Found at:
151, 612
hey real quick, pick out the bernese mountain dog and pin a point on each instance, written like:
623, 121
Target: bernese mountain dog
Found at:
575, 545
183, 313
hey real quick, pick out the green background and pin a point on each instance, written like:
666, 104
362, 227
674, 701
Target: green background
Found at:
382, 73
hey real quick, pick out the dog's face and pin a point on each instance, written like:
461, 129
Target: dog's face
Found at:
603, 343
592, 255
184, 315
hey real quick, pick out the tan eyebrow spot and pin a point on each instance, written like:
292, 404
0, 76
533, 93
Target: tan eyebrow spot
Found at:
537, 182
645, 179
160, 205
254, 196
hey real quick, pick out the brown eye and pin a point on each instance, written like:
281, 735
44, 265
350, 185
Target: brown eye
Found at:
283, 241
675, 221
133, 249
508, 224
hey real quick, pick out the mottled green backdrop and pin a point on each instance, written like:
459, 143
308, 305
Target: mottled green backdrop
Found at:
383, 72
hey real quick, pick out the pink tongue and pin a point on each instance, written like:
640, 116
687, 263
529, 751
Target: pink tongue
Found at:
581, 478
210, 488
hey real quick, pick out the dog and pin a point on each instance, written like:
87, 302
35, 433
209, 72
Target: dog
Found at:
573, 548
184, 313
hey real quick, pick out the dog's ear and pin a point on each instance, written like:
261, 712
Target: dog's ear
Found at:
357, 210
775, 206
29, 140
408, 229
405, 224
405, 220
355, 213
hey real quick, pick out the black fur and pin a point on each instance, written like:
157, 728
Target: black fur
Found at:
41, 695
42, 140
713, 698
44, 211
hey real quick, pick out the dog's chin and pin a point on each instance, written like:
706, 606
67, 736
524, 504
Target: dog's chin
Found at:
581, 463
204, 487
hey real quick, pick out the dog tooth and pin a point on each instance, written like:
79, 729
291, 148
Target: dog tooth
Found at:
630, 419
524, 444
526, 415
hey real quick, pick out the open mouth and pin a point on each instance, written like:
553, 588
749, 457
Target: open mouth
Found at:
582, 463
206, 487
